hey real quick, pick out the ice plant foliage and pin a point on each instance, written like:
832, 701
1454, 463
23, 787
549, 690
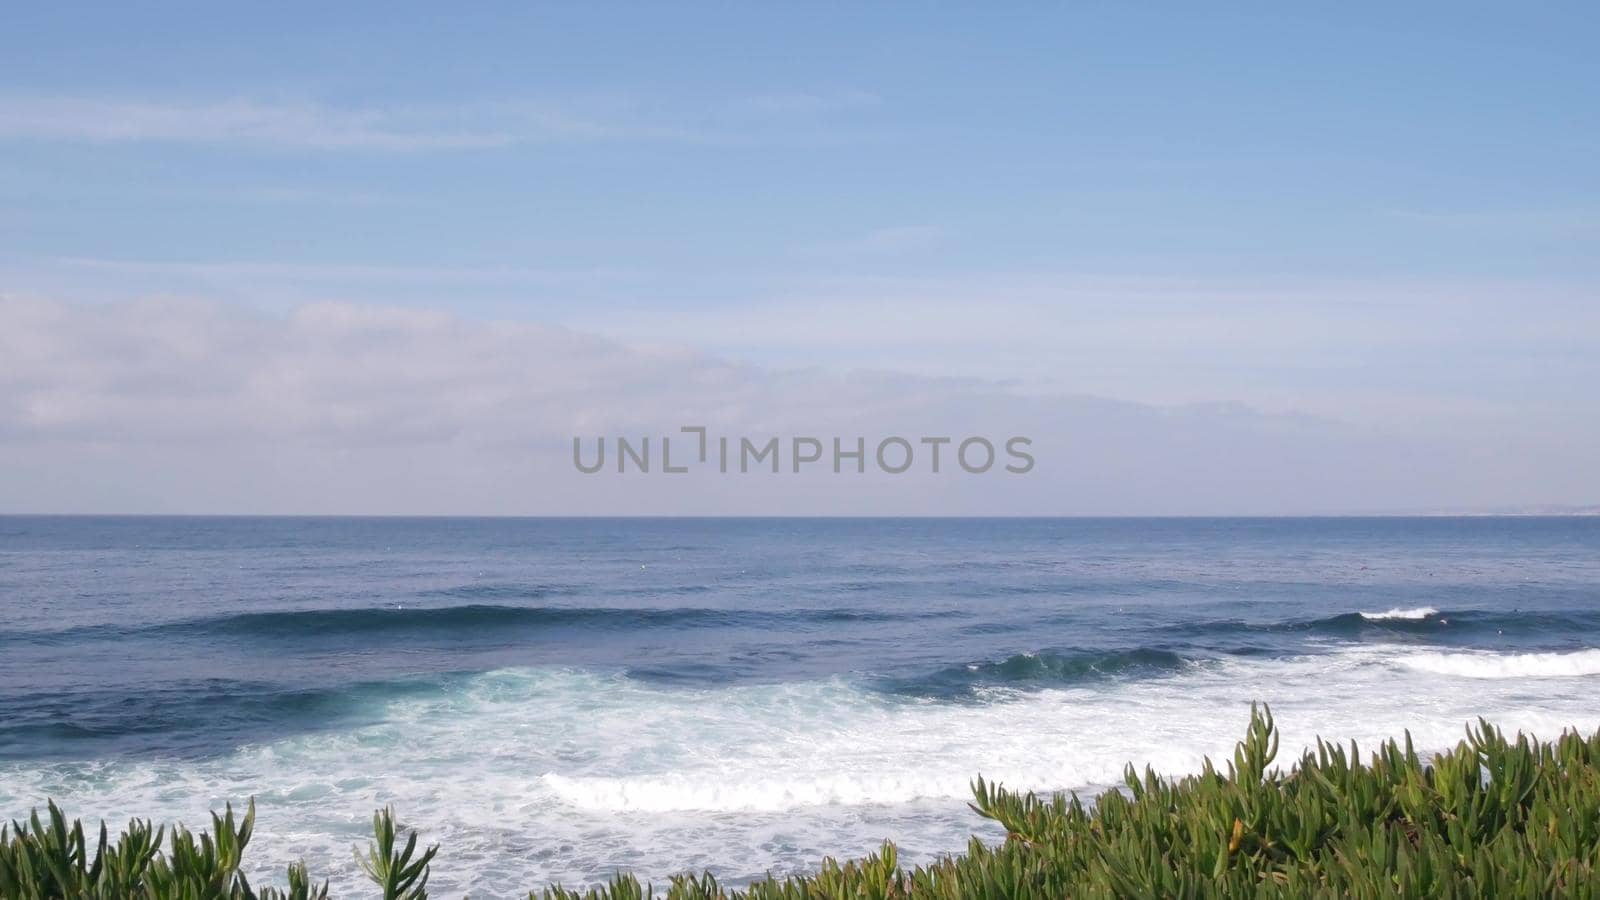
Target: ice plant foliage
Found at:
1491, 817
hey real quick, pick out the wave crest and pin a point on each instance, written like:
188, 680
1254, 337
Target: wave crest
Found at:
1506, 665
430, 620
1039, 670
1411, 615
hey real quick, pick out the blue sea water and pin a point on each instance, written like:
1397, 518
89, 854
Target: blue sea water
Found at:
559, 699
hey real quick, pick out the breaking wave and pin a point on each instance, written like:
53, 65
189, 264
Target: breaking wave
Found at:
1506, 665
1410, 615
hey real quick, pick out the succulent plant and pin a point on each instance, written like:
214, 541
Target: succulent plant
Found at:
1490, 817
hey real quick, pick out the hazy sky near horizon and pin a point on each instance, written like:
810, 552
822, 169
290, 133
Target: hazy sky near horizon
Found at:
379, 259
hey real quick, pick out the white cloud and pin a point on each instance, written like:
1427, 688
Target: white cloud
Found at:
165, 370
475, 125
1428, 358
233, 272
1387, 354
296, 125
176, 405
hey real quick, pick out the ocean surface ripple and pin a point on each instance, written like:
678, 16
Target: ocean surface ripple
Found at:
558, 699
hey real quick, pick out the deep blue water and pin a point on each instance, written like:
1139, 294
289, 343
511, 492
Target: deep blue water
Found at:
132, 646
141, 635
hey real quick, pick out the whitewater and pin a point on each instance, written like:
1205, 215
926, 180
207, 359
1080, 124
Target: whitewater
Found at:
766, 697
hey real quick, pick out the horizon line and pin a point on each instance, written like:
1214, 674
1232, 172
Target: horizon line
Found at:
1578, 513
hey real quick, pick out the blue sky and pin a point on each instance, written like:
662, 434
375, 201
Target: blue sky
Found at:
1376, 216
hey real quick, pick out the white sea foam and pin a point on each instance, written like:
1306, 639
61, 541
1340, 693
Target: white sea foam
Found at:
1507, 665
529, 776
1417, 613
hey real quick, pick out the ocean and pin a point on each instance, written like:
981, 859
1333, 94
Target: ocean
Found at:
556, 700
